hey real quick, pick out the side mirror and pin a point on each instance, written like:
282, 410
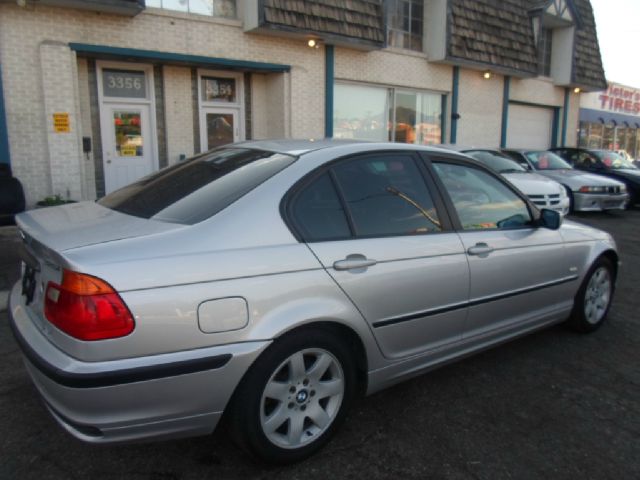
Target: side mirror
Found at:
549, 219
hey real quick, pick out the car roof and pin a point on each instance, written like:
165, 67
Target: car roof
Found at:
301, 146
466, 148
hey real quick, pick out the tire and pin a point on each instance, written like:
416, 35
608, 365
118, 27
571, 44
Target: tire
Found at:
294, 397
593, 300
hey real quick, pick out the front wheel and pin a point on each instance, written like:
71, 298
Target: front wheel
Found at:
294, 397
594, 297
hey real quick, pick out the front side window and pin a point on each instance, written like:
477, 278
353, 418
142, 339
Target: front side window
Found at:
215, 8
386, 195
481, 200
405, 24
196, 189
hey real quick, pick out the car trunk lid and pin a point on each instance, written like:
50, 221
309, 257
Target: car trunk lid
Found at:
47, 234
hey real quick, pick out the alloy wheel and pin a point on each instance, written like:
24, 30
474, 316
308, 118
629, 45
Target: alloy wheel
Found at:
302, 398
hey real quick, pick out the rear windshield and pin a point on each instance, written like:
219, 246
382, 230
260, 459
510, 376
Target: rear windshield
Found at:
197, 188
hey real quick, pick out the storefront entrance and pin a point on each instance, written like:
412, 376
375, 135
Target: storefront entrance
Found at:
127, 121
221, 106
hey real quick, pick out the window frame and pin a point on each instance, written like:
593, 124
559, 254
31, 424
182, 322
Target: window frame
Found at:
430, 158
289, 198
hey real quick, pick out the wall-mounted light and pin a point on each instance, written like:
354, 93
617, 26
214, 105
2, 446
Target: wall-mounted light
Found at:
313, 43
577, 90
487, 75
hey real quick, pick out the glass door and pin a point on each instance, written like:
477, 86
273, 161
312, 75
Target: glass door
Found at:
218, 127
127, 154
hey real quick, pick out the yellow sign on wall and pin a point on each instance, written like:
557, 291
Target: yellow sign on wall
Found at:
61, 123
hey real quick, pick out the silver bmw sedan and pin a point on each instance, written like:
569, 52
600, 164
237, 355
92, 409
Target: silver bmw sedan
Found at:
275, 281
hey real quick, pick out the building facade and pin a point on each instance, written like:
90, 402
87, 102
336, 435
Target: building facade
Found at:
610, 119
98, 93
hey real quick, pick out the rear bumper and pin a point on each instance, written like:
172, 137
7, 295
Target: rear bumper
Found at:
145, 398
592, 202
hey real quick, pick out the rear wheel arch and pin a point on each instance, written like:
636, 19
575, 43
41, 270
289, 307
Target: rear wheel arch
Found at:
346, 334
324, 336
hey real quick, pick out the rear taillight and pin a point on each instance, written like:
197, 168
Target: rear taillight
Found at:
87, 308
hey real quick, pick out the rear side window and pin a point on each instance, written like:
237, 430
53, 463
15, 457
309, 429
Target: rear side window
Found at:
198, 188
318, 213
386, 195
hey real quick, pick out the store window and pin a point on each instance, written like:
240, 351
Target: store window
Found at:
595, 135
387, 114
630, 145
405, 24
609, 137
215, 8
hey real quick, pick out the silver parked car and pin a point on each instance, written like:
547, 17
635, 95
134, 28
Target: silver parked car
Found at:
588, 192
275, 281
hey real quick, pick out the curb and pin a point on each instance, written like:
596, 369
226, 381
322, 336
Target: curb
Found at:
4, 300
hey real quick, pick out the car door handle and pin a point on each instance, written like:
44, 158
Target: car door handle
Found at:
480, 249
354, 261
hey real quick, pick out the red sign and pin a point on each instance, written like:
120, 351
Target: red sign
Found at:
621, 99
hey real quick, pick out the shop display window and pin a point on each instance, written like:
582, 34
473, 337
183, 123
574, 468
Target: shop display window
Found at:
387, 114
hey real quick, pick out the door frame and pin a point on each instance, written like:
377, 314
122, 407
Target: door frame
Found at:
211, 106
149, 101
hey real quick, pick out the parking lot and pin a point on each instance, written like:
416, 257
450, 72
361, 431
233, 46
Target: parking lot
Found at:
552, 405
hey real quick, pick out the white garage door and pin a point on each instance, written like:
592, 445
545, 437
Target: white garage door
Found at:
529, 127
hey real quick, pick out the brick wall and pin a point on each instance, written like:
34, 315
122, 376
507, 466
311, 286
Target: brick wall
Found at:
480, 109
178, 106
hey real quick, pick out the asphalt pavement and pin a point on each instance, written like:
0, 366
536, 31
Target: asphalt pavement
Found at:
553, 405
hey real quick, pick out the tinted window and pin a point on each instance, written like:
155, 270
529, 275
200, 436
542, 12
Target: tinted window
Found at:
496, 161
196, 189
481, 200
318, 213
613, 160
582, 159
386, 195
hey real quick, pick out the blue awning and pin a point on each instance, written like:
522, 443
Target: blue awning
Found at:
609, 118
104, 51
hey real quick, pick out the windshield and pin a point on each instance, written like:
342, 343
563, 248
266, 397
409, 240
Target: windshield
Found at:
547, 161
197, 188
496, 161
613, 160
